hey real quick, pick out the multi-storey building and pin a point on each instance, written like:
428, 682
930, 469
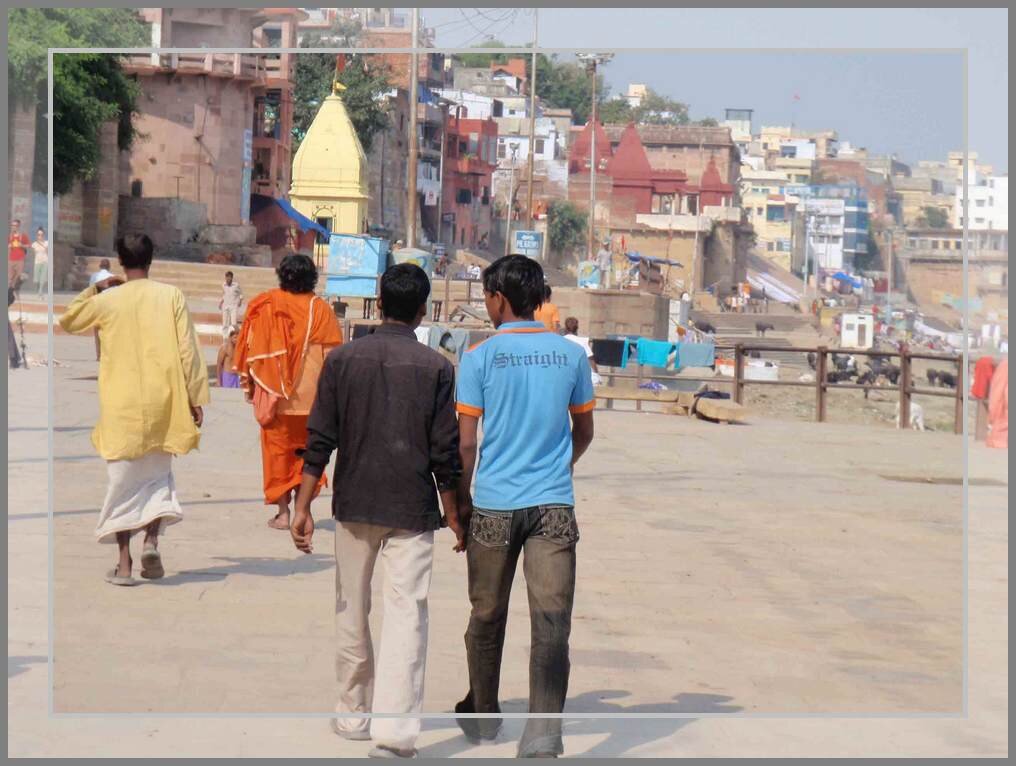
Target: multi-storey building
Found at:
987, 201
215, 127
467, 193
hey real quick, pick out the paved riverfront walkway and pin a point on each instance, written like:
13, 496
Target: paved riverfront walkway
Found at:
774, 567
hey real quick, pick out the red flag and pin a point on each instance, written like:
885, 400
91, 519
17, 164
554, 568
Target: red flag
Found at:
340, 64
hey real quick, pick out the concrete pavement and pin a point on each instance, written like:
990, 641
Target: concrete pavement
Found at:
776, 567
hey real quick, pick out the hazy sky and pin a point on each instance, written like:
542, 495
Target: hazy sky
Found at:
909, 103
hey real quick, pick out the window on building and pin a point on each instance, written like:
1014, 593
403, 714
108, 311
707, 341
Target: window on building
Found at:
539, 145
485, 200
770, 246
979, 203
775, 213
463, 197
759, 211
502, 151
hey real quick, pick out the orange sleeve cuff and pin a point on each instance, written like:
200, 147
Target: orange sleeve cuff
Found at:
465, 409
578, 409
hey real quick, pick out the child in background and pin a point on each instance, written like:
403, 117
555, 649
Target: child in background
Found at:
224, 366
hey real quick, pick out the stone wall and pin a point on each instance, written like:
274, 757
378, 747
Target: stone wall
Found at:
192, 145
386, 170
167, 220
614, 312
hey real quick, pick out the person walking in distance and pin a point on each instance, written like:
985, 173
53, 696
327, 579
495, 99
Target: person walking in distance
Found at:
17, 242
102, 275
534, 392
386, 403
547, 313
144, 420
40, 265
230, 303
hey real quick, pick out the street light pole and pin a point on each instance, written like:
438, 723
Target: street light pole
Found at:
532, 120
414, 75
592, 61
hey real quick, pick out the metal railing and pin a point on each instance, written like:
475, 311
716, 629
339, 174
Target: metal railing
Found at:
905, 386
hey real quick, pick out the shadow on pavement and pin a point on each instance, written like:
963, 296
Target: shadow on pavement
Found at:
18, 664
622, 735
261, 566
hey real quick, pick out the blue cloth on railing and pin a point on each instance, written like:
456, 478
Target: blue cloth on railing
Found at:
654, 353
653, 386
696, 355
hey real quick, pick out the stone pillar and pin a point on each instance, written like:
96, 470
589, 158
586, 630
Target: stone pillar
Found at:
21, 162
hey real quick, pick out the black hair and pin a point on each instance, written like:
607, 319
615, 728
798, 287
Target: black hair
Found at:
135, 251
519, 279
404, 289
297, 274
571, 324
547, 292
230, 274
40, 229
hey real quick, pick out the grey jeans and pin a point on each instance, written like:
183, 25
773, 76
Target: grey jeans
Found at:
547, 535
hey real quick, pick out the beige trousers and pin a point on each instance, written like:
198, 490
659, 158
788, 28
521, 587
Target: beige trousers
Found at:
396, 685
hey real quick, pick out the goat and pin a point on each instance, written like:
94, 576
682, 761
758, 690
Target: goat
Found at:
761, 328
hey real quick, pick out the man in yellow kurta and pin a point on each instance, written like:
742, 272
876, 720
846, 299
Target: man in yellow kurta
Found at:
152, 385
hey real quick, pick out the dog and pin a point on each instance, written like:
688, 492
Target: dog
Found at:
761, 328
916, 416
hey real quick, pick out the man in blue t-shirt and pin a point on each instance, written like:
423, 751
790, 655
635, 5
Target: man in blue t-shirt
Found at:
534, 391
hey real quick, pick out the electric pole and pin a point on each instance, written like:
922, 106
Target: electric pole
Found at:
592, 61
532, 120
414, 74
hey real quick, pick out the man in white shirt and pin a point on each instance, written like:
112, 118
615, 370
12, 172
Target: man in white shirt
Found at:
101, 275
232, 300
571, 332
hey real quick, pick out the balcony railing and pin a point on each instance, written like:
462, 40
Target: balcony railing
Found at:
239, 65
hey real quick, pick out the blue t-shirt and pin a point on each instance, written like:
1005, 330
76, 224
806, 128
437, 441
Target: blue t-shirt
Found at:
523, 382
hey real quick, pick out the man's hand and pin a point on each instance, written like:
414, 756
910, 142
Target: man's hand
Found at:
459, 530
198, 414
301, 529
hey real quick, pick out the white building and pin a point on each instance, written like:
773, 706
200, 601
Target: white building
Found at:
475, 106
988, 204
824, 228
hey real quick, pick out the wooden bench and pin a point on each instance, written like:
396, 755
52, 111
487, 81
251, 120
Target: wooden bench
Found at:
637, 395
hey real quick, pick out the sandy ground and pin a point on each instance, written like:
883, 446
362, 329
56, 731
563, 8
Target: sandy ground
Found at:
777, 567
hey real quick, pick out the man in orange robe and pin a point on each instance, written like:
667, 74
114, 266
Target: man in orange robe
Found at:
998, 407
286, 335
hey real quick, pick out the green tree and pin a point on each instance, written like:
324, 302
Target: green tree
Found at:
616, 111
364, 78
933, 218
566, 227
708, 122
88, 89
566, 85
482, 60
657, 109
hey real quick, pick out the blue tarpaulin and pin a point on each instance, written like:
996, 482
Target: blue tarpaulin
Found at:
839, 275
636, 257
305, 223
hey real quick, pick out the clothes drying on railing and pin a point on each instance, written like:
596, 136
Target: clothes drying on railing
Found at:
615, 352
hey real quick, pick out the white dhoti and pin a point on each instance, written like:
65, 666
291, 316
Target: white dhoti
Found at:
140, 491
